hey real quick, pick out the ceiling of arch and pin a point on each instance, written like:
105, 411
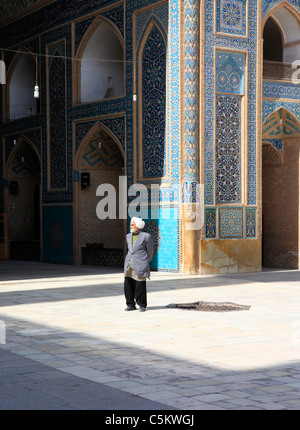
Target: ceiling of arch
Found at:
279, 124
100, 151
288, 23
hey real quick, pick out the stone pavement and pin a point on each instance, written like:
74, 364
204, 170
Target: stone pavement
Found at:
70, 345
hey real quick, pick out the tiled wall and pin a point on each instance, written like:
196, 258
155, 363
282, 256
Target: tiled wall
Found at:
154, 30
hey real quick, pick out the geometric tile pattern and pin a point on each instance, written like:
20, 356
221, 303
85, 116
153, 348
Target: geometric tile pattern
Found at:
58, 234
268, 4
158, 14
152, 228
58, 137
191, 90
153, 96
145, 20
281, 123
24, 163
231, 223
228, 17
108, 156
230, 69
10, 7
115, 125
210, 223
228, 149
234, 42
167, 255
57, 122
231, 17
277, 143
250, 222
270, 155
284, 90
270, 106
115, 15
80, 29
174, 107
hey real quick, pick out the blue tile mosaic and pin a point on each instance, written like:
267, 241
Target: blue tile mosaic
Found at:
154, 105
170, 111
231, 223
58, 234
166, 239
228, 149
230, 72
191, 90
231, 17
210, 223
234, 42
269, 4
250, 223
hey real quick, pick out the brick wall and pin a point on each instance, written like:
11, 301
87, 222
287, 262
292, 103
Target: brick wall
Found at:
280, 185
21, 210
109, 232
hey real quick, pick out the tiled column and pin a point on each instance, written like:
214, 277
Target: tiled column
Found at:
191, 133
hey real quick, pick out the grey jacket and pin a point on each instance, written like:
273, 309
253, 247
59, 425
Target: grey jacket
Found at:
141, 253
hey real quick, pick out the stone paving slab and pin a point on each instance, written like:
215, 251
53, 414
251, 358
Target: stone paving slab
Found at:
28, 385
71, 320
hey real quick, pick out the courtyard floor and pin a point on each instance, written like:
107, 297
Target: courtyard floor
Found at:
71, 319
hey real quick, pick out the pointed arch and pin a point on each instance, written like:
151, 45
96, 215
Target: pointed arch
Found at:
287, 19
151, 72
153, 20
101, 130
280, 189
272, 152
281, 124
23, 201
21, 141
99, 155
281, 5
21, 79
99, 66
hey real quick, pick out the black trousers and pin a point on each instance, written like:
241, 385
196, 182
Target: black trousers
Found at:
135, 291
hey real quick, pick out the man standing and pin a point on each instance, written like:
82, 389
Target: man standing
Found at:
136, 266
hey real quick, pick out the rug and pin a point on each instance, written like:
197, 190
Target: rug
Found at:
210, 306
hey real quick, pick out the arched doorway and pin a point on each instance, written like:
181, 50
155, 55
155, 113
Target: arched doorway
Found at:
281, 47
99, 160
281, 141
273, 43
23, 202
280, 190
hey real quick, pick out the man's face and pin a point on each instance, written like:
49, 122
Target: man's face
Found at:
133, 227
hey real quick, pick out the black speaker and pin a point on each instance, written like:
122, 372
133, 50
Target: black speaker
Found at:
13, 188
85, 180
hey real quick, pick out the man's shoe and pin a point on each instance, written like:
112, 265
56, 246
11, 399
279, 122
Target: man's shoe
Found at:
130, 308
142, 309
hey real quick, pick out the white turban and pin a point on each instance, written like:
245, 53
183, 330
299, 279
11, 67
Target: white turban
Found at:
138, 222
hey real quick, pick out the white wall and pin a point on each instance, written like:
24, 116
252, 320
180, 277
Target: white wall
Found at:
102, 58
21, 87
290, 28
